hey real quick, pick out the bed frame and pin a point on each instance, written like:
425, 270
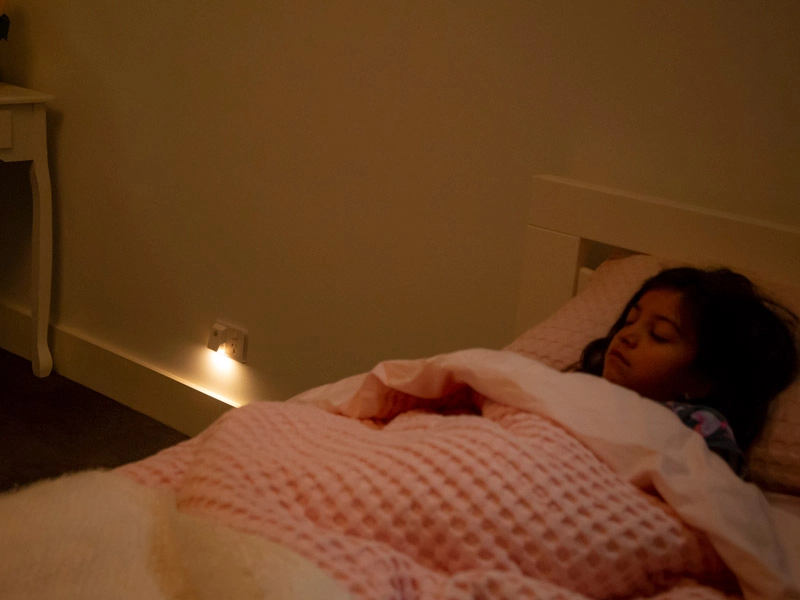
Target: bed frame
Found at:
573, 226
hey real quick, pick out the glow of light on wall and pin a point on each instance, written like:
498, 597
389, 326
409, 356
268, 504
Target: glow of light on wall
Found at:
217, 396
225, 369
221, 362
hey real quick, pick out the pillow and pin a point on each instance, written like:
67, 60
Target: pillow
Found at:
774, 460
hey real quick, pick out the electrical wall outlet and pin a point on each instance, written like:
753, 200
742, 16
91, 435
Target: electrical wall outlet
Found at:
228, 339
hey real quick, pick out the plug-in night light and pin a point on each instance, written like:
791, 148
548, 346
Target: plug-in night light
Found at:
228, 340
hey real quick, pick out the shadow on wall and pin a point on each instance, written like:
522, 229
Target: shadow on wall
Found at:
16, 215
14, 45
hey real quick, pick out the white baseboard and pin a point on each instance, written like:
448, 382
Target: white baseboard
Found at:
119, 377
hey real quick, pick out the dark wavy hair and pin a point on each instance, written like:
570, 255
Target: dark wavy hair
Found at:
746, 345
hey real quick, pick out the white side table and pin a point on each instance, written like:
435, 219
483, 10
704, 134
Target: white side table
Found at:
23, 137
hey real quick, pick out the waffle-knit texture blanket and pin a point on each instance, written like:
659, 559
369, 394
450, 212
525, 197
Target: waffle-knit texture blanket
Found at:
506, 504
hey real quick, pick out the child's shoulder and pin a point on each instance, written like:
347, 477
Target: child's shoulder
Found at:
714, 427
703, 419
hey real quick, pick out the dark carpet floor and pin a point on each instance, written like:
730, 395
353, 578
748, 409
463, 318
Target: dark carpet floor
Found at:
51, 426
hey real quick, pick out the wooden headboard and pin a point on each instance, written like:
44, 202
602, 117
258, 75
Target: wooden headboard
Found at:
572, 225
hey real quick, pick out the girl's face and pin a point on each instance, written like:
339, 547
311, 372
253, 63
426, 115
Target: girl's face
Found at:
654, 351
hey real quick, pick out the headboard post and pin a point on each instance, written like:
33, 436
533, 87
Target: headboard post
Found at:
550, 277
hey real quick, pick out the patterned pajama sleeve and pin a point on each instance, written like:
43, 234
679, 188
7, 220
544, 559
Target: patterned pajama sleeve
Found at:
715, 429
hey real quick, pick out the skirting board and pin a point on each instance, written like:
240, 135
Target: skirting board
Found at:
121, 378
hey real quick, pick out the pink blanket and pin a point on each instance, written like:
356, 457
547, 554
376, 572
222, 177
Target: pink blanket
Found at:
427, 499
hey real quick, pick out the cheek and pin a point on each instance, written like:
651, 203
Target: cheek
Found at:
669, 370
681, 359
666, 363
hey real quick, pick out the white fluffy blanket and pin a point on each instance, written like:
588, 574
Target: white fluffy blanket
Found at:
98, 535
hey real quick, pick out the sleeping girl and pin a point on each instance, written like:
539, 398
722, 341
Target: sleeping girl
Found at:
708, 345
542, 496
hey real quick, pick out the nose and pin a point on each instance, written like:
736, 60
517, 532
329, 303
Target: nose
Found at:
629, 336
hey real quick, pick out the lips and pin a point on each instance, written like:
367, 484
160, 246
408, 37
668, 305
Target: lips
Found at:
618, 356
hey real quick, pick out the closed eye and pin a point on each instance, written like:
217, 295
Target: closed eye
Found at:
665, 330
633, 315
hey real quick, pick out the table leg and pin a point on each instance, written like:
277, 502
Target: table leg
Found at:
42, 255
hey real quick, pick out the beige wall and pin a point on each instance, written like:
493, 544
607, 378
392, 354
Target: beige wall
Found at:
348, 179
